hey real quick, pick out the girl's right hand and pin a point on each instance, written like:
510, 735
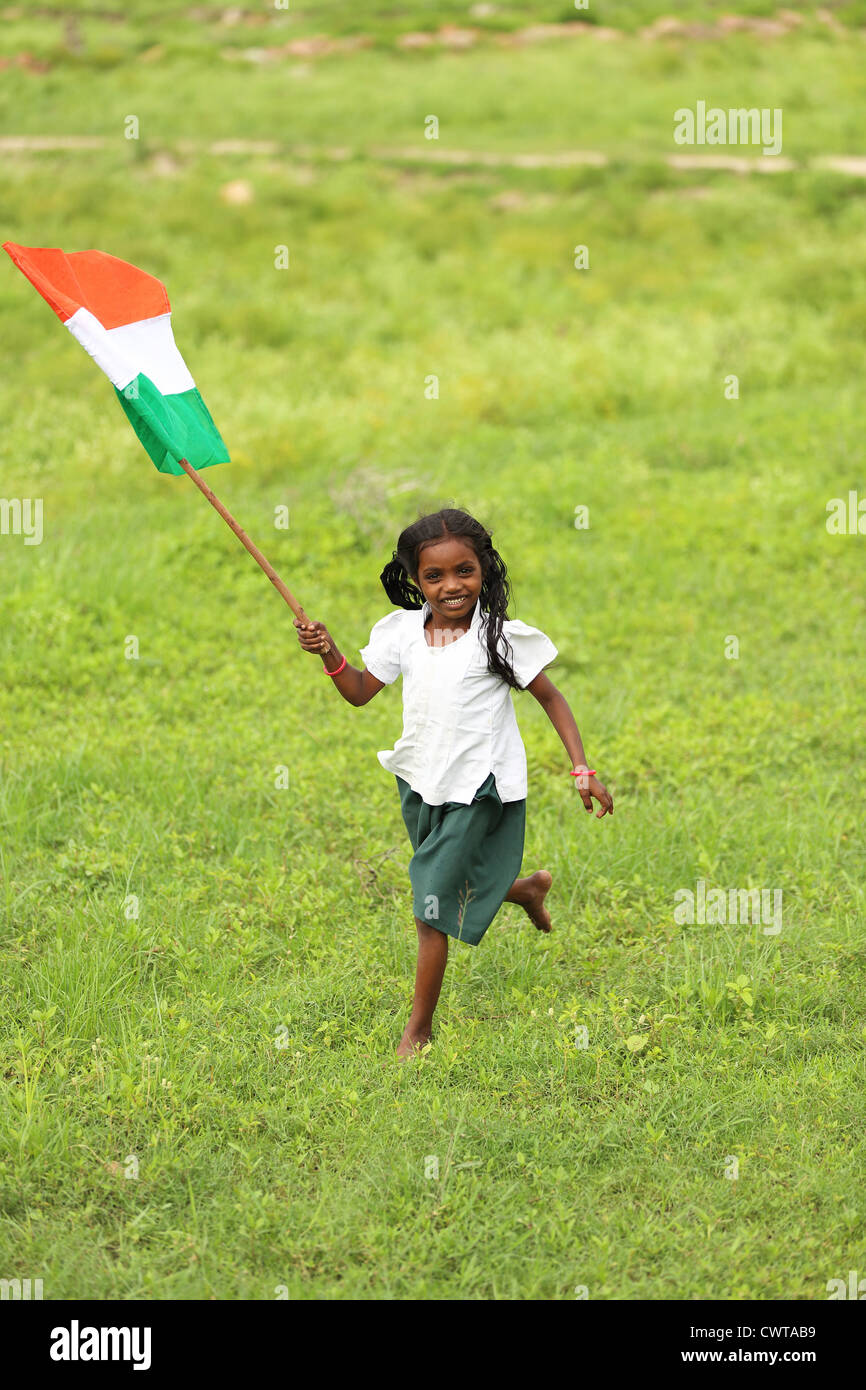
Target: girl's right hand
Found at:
314, 637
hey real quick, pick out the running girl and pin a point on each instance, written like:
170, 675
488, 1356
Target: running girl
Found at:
460, 764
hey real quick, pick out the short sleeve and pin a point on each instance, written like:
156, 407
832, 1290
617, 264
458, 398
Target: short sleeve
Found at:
530, 650
381, 656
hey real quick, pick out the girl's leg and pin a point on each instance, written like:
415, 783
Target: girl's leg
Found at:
432, 958
530, 894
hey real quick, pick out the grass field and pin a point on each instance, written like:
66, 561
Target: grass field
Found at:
203, 977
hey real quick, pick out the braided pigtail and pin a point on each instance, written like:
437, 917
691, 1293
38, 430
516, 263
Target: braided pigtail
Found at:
494, 599
397, 585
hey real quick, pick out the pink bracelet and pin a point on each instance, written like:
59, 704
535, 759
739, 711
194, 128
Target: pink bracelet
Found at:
326, 672
583, 772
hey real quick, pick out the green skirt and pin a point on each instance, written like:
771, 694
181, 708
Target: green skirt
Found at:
466, 858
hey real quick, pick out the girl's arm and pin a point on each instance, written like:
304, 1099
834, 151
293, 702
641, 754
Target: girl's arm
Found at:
556, 707
356, 687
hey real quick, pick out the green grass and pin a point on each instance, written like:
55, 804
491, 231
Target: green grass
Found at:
616, 97
236, 1037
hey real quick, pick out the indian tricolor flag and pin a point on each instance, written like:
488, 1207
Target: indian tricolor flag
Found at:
122, 317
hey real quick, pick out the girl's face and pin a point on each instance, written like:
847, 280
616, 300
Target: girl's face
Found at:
449, 577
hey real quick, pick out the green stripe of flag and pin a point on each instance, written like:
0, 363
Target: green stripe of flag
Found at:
172, 427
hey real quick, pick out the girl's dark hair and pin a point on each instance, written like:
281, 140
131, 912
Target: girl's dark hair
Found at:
401, 573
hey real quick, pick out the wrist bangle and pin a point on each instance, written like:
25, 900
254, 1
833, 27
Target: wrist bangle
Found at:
326, 672
583, 772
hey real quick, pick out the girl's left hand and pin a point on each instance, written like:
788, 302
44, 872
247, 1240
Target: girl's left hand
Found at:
589, 787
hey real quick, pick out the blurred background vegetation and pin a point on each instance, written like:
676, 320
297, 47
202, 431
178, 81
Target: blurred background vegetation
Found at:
155, 1035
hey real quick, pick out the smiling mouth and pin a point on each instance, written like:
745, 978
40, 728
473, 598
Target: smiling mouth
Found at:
454, 602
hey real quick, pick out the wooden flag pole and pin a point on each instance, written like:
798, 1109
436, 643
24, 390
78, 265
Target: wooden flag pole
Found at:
244, 539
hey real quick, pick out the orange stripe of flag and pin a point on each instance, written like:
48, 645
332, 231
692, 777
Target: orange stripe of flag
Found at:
114, 291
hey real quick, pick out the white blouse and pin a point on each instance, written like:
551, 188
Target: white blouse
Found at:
459, 723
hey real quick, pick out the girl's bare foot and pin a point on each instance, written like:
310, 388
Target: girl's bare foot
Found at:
413, 1040
530, 894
